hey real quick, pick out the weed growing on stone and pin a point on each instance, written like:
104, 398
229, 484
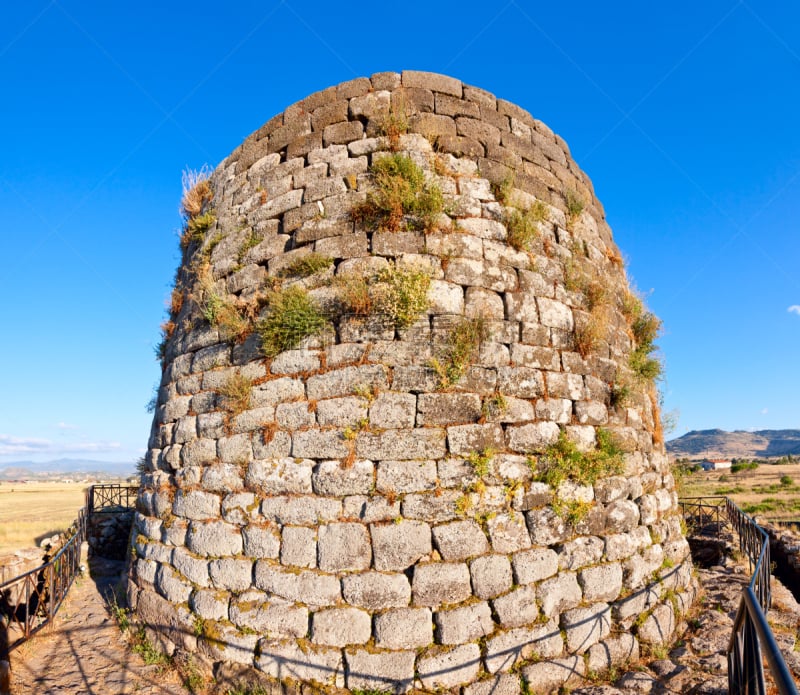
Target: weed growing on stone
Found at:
574, 207
306, 266
402, 198
522, 225
354, 294
236, 394
502, 190
293, 316
196, 228
480, 460
394, 125
461, 350
197, 193
494, 406
144, 648
250, 242
564, 461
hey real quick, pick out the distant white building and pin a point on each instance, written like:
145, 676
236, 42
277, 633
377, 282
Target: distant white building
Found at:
715, 464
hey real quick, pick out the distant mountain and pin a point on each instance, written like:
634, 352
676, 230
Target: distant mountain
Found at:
26, 470
737, 444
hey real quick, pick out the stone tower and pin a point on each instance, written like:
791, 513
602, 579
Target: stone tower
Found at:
407, 432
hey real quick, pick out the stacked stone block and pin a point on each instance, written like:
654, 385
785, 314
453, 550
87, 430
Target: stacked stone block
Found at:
336, 531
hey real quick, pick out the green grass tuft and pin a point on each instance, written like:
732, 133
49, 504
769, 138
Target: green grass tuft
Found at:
293, 316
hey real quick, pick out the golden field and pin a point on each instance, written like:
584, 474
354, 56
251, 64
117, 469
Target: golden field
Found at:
770, 492
32, 511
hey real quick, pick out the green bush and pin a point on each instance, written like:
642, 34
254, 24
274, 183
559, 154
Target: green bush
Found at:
307, 265
293, 316
564, 461
461, 350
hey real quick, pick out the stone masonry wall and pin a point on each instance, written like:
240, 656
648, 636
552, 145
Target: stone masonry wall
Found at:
355, 521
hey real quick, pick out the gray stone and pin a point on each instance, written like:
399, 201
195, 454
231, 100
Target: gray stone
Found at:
270, 393
295, 362
229, 644
620, 546
391, 671
550, 676
546, 527
535, 436
439, 583
214, 538
286, 660
505, 684
447, 408
280, 476
209, 605
462, 625
403, 628
299, 546
196, 504
613, 651
344, 546
659, 626
406, 476
235, 449
580, 552
261, 541
601, 583
508, 648
222, 477
586, 626
370, 509
491, 575
348, 411
345, 381
333, 479
459, 540
393, 410
302, 586
194, 569
292, 416
231, 574
301, 510
253, 610
622, 516
319, 444
533, 565
433, 507
559, 593
339, 627
376, 590
240, 508
466, 439
170, 586
450, 669
517, 607
402, 444
398, 546
508, 533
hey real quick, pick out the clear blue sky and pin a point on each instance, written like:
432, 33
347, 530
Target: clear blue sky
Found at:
684, 114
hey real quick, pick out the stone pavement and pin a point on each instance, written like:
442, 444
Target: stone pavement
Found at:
85, 653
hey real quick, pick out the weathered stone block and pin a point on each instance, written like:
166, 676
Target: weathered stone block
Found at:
260, 541
231, 574
304, 586
601, 583
586, 626
301, 510
391, 671
459, 540
403, 628
406, 476
402, 444
376, 591
214, 538
398, 546
559, 593
344, 546
466, 439
491, 575
299, 546
393, 410
439, 583
447, 408
517, 608
253, 610
339, 627
283, 475
508, 648
333, 479
462, 625
196, 504
315, 664
508, 533
450, 669
550, 676
580, 552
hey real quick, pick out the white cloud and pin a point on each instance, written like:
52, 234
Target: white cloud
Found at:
764, 411
65, 426
794, 309
26, 446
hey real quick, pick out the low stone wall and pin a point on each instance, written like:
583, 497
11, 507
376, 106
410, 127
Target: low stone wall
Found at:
108, 532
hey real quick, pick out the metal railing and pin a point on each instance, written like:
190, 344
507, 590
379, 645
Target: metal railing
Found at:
30, 601
752, 640
100, 498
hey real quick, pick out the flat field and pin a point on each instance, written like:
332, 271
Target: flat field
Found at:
771, 491
32, 511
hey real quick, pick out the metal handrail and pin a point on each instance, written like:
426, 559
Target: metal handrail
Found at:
100, 498
752, 639
31, 600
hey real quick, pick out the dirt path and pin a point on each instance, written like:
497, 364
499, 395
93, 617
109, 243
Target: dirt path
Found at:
85, 653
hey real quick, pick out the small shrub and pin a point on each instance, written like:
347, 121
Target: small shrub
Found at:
522, 226
354, 294
196, 228
480, 460
574, 206
620, 395
646, 327
462, 347
402, 294
197, 193
250, 242
236, 394
401, 197
395, 124
292, 316
564, 461
787, 481
643, 366
744, 466
150, 655
232, 321
307, 265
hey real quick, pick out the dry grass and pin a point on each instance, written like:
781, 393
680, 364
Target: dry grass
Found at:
197, 191
31, 511
759, 492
